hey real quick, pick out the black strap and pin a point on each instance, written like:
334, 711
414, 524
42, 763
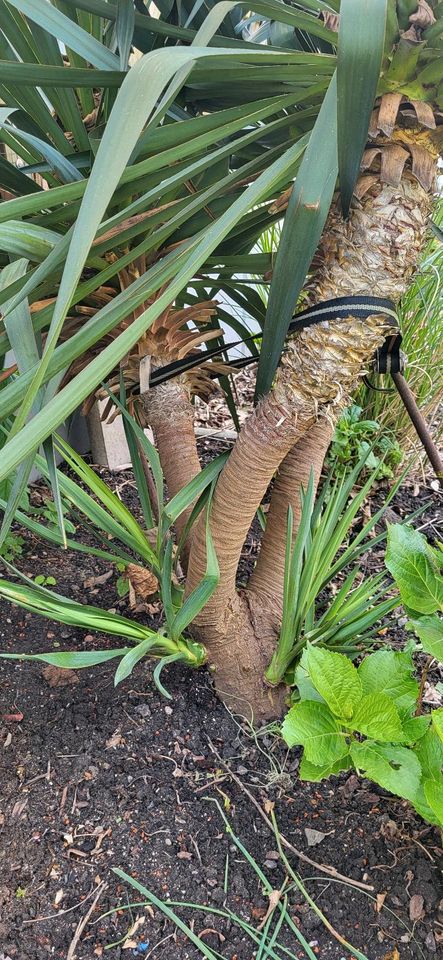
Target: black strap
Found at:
342, 307
337, 309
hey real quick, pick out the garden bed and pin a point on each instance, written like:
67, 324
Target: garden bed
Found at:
94, 778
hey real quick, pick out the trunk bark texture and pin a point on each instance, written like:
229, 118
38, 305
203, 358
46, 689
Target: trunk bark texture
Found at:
308, 454
374, 253
170, 413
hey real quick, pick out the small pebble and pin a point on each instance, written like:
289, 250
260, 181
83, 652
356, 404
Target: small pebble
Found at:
143, 710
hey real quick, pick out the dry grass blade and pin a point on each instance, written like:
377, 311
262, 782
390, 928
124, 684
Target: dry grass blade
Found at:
323, 867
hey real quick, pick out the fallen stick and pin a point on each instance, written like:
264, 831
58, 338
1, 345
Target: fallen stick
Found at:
323, 867
82, 923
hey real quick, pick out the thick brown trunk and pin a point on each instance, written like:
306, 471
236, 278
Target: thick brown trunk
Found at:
302, 392
373, 253
241, 646
307, 455
170, 413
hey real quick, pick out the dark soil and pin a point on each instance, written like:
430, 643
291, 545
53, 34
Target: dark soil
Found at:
94, 777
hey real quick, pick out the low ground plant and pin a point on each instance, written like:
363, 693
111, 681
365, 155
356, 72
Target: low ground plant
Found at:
355, 437
147, 559
370, 717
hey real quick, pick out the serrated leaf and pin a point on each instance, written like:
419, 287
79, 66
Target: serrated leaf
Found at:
429, 751
303, 681
336, 679
312, 725
430, 632
422, 807
434, 796
389, 672
377, 717
414, 728
437, 722
312, 772
413, 565
394, 768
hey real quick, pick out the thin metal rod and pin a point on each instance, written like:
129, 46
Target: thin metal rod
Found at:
419, 423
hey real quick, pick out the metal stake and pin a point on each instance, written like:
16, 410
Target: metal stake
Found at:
419, 423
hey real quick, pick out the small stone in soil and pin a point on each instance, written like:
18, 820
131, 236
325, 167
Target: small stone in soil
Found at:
143, 710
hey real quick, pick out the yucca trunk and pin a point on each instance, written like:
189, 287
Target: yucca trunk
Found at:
373, 253
169, 411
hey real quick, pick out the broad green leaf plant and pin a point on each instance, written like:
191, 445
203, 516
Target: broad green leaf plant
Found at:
365, 718
370, 718
142, 158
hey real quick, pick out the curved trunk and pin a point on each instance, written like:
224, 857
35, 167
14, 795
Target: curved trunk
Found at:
373, 253
301, 393
307, 455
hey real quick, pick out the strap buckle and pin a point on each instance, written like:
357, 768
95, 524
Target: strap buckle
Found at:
389, 358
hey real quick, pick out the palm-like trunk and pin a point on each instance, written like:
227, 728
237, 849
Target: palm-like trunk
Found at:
373, 253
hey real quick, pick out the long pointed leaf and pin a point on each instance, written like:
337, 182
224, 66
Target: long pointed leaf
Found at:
360, 50
304, 221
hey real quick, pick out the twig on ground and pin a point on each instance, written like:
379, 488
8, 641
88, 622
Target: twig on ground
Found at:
60, 913
323, 867
82, 923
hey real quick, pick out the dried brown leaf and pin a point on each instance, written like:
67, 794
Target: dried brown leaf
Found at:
387, 116
393, 160
115, 741
59, 677
143, 581
423, 166
424, 15
274, 897
314, 836
96, 581
416, 907
331, 20
424, 114
381, 897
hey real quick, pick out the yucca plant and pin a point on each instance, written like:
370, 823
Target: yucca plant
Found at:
324, 550
154, 151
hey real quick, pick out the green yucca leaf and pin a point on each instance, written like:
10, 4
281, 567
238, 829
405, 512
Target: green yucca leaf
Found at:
131, 659
57, 162
32, 74
48, 604
80, 387
64, 29
54, 536
195, 488
304, 221
199, 597
75, 660
124, 30
360, 50
110, 501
